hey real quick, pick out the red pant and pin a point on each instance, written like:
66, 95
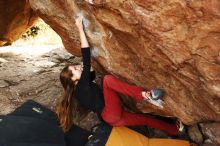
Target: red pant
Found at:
114, 114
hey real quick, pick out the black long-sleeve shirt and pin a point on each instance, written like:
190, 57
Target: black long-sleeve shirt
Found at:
87, 92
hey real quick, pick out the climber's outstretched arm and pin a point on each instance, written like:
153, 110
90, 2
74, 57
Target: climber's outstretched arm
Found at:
83, 39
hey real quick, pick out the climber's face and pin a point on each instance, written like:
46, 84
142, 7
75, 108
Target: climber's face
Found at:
76, 71
148, 95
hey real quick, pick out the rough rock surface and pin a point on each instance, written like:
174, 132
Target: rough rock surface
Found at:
16, 17
195, 134
212, 131
151, 43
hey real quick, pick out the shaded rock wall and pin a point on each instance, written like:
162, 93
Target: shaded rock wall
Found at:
16, 17
212, 130
173, 44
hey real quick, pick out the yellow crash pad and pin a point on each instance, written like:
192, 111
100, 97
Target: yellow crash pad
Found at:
122, 136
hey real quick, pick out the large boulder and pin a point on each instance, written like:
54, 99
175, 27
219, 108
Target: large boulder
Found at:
173, 44
16, 17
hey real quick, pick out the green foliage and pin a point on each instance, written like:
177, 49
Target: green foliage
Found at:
32, 32
40, 33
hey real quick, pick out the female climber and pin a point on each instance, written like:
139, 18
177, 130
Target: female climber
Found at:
77, 81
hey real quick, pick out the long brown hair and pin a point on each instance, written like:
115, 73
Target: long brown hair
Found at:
65, 107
